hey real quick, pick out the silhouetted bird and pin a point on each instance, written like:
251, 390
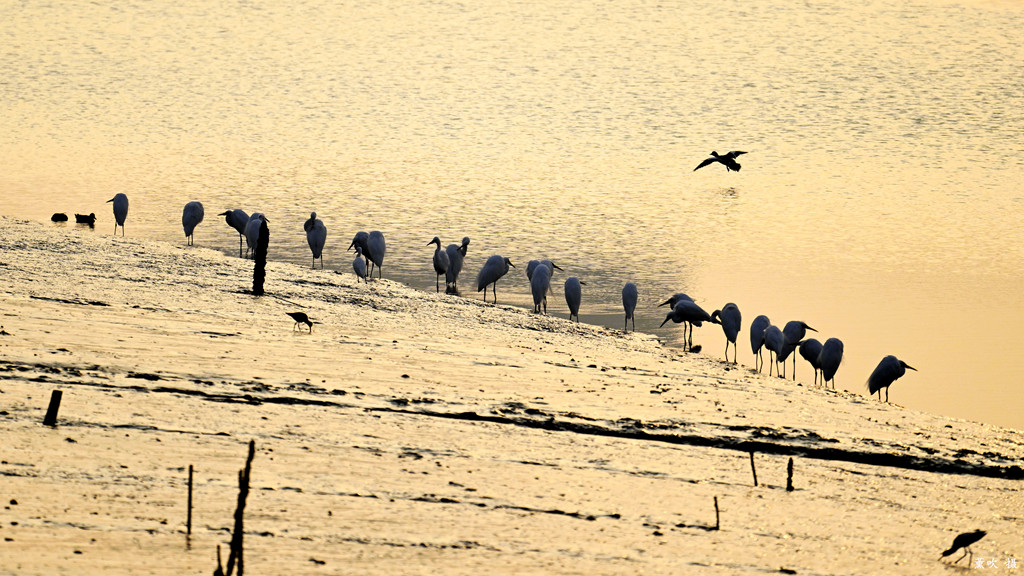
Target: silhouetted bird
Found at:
810, 350
89, 219
359, 265
728, 160
440, 261
730, 319
573, 296
964, 541
629, 298
830, 358
688, 312
237, 219
888, 371
191, 216
532, 265
301, 318
120, 211
59, 217
757, 330
792, 333
493, 270
316, 237
456, 256
540, 283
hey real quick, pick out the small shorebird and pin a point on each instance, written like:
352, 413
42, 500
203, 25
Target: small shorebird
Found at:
964, 541
301, 318
728, 160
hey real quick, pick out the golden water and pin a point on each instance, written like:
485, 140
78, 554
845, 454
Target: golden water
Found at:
880, 200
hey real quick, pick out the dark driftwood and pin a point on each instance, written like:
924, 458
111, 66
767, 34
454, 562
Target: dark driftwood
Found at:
717, 525
51, 411
789, 477
235, 555
752, 468
259, 273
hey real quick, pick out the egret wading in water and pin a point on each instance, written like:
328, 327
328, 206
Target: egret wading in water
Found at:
730, 319
757, 329
688, 312
629, 299
728, 160
888, 371
540, 283
493, 269
573, 296
191, 216
252, 231
359, 265
810, 350
316, 237
773, 340
829, 359
456, 256
120, 211
237, 219
792, 334
301, 318
440, 263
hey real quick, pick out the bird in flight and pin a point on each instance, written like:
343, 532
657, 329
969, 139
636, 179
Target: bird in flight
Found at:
728, 160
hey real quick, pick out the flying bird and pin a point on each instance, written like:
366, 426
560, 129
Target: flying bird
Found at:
440, 263
728, 160
730, 318
757, 333
237, 219
120, 211
573, 296
301, 318
191, 216
316, 237
629, 298
493, 270
888, 371
964, 541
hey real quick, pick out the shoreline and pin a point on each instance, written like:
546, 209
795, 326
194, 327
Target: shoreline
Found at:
443, 434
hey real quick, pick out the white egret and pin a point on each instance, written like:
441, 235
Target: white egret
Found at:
888, 371
730, 318
573, 296
829, 359
540, 283
629, 299
316, 237
728, 160
773, 340
191, 216
440, 263
120, 211
793, 333
237, 219
688, 312
532, 265
252, 230
359, 265
494, 268
810, 350
757, 328
378, 248
456, 256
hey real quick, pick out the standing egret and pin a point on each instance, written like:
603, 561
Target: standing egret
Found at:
252, 230
237, 219
378, 248
191, 216
359, 265
888, 371
301, 318
573, 296
810, 350
532, 265
360, 240
440, 263
494, 268
629, 298
316, 237
540, 283
730, 318
688, 312
120, 211
773, 340
829, 359
671, 302
793, 333
728, 160
757, 328
456, 256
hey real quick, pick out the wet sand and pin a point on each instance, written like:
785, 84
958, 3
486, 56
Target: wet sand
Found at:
414, 433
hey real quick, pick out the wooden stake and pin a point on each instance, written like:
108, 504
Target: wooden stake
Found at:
188, 523
716, 513
753, 468
51, 412
789, 477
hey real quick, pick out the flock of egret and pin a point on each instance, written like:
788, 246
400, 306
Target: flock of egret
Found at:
370, 249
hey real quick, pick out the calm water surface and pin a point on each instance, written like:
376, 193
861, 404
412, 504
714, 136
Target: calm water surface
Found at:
880, 201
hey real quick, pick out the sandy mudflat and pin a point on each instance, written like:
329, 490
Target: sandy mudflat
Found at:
415, 433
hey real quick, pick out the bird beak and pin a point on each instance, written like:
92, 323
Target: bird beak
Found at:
511, 264
910, 367
809, 328
665, 302
557, 267
224, 213
667, 318
108, 201
354, 243
582, 283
